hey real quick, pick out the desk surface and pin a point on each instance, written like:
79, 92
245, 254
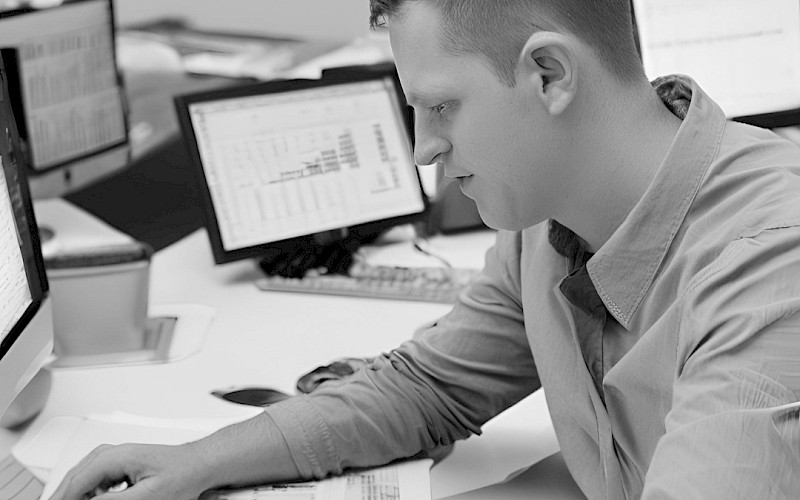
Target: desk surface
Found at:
257, 338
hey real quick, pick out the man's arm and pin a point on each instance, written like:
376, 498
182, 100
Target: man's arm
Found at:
734, 427
440, 387
444, 385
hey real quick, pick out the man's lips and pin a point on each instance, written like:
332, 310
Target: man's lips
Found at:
464, 182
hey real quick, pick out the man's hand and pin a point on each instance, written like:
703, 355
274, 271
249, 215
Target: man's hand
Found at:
149, 472
247, 453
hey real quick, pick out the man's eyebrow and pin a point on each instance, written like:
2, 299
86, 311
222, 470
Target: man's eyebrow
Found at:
425, 93
419, 100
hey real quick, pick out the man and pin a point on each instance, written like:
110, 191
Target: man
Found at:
647, 274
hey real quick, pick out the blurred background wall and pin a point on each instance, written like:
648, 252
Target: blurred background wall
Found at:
303, 18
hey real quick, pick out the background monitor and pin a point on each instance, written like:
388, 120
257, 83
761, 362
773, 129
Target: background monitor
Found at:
744, 54
285, 160
66, 93
26, 328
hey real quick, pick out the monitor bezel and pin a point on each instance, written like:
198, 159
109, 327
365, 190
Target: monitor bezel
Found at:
365, 230
32, 173
38, 284
778, 119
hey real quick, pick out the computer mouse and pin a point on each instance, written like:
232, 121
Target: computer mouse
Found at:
253, 396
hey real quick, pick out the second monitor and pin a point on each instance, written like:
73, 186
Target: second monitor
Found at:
284, 161
66, 93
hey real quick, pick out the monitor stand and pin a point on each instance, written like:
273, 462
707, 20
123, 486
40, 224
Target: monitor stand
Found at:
158, 336
330, 251
172, 332
29, 402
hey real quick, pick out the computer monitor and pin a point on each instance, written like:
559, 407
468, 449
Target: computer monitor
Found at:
26, 326
281, 162
744, 54
66, 93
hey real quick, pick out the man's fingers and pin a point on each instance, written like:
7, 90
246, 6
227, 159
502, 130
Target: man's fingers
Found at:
82, 480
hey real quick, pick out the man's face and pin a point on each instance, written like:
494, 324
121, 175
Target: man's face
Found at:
484, 133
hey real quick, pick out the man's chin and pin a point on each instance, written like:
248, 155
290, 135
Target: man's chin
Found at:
500, 224
493, 223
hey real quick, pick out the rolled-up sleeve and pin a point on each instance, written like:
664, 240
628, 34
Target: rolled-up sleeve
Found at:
734, 428
431, 391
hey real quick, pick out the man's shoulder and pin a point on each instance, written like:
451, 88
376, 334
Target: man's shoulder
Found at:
753, 185
756, 144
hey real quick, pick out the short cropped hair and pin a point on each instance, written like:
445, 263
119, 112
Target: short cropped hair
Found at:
498, 29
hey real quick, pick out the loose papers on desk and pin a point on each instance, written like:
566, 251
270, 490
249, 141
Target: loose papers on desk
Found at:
401, 481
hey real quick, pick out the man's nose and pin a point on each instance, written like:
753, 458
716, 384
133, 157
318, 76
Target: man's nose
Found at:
429, 144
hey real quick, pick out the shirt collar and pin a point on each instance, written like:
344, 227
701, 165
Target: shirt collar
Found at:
624, 268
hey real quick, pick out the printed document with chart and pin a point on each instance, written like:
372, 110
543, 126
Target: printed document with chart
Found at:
400, 481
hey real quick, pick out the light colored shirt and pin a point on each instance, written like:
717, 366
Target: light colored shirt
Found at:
679, 377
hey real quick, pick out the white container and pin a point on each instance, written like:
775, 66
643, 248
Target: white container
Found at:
100, 300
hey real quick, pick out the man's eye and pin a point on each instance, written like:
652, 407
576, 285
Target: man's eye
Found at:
441, 108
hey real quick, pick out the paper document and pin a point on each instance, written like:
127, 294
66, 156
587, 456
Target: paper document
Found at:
744, 54
402, 481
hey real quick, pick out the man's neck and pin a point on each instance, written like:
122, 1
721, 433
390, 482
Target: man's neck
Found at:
626, 140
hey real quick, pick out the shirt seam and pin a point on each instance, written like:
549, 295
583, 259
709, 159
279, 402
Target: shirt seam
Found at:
753, 231
729, 253
725, 258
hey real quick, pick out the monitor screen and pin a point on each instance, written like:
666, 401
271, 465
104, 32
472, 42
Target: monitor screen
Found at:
66, 93
282, 160
16, 290
744, 54
25, 317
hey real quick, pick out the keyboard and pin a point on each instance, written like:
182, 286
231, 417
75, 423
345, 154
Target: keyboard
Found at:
17, 482
426, 284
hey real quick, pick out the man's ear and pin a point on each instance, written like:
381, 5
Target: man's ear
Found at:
548, 64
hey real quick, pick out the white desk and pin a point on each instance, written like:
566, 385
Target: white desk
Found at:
268, 339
